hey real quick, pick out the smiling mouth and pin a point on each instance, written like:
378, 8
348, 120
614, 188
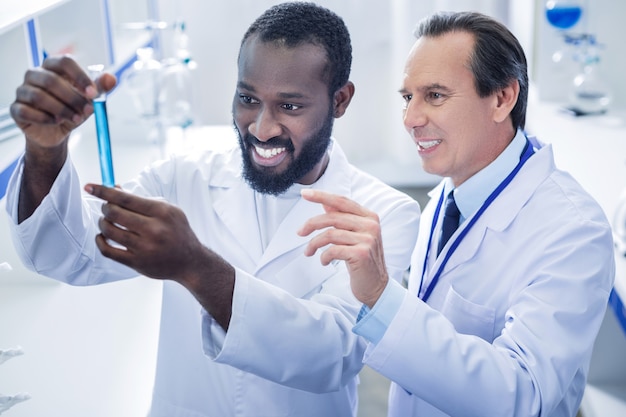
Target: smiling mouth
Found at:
269, 157
426, 144
270, 152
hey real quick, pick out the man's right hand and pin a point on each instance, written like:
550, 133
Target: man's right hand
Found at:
54, 99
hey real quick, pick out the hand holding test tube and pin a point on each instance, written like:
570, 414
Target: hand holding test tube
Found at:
102, 130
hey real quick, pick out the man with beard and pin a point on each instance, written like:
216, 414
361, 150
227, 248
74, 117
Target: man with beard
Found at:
250, 326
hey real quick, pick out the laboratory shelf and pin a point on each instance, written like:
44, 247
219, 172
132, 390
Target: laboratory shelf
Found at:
13, 13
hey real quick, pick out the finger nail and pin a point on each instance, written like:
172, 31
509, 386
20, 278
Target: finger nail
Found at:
91, 92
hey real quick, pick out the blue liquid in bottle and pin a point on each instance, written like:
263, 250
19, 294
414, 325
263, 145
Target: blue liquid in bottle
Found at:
564, 17
104, 142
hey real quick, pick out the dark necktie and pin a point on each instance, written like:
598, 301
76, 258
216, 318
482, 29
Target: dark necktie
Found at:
450, 221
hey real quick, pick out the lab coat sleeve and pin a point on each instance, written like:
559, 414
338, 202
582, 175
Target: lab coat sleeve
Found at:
301, 343
305, 342
547, 338
58, 239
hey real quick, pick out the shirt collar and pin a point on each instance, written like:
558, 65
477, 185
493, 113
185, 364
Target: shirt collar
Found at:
470, 195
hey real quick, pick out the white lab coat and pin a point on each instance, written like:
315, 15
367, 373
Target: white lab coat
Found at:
292, 317
509, 328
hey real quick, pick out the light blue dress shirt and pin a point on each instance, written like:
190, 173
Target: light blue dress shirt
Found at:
372, 323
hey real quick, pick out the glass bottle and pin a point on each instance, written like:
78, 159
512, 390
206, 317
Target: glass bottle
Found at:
590, 94
143, 81
175, 94
564, 15
176, 83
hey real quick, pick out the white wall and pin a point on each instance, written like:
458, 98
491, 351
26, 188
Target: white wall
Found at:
382, 32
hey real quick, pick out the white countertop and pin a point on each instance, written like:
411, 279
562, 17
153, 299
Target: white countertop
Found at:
88, 351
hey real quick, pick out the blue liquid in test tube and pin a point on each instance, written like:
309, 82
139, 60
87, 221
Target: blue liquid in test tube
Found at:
104, 143
102, 130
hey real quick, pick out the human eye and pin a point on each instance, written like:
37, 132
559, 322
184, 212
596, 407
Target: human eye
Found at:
290, 106
246, 99
435, 97
405, 100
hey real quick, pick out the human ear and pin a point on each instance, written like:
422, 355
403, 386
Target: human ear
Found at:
342, 98
506, 99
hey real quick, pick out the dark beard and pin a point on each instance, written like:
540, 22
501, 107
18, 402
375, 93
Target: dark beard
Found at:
267, 182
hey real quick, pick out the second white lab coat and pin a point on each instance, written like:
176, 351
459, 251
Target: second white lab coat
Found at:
289, 350
509, 328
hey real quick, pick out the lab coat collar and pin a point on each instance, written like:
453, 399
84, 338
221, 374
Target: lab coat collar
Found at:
503, 210
235, 207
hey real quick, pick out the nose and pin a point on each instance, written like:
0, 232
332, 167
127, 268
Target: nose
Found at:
265, 126
414, 115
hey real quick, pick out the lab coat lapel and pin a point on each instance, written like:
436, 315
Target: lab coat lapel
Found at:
236, 209
286, 239
504, 209
336, 179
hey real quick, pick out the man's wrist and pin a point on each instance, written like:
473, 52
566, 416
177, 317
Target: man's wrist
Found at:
373, 323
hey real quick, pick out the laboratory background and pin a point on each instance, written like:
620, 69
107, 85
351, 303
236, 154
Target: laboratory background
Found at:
91, 351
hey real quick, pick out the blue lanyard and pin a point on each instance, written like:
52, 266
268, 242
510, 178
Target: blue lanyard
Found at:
526, 154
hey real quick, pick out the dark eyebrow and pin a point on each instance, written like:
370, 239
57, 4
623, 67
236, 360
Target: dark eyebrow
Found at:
291, 95
437, 86
284, 96
245, 86
433, 86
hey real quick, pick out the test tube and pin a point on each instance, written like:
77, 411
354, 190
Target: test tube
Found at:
102, 130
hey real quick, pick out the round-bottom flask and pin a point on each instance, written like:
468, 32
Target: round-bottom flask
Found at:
590, 94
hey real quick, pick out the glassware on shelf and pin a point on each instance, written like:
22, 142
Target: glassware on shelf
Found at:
175, 94
143, 81
160, 80
8, 401
590, 94
176, 84
161, 87
564, 15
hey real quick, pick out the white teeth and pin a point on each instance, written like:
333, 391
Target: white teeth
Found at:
428, 144
268, 153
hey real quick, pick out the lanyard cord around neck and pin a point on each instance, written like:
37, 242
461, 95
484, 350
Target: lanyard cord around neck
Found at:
526, 154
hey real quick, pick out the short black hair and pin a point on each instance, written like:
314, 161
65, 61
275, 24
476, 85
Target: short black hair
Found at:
294, 23
497, 58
